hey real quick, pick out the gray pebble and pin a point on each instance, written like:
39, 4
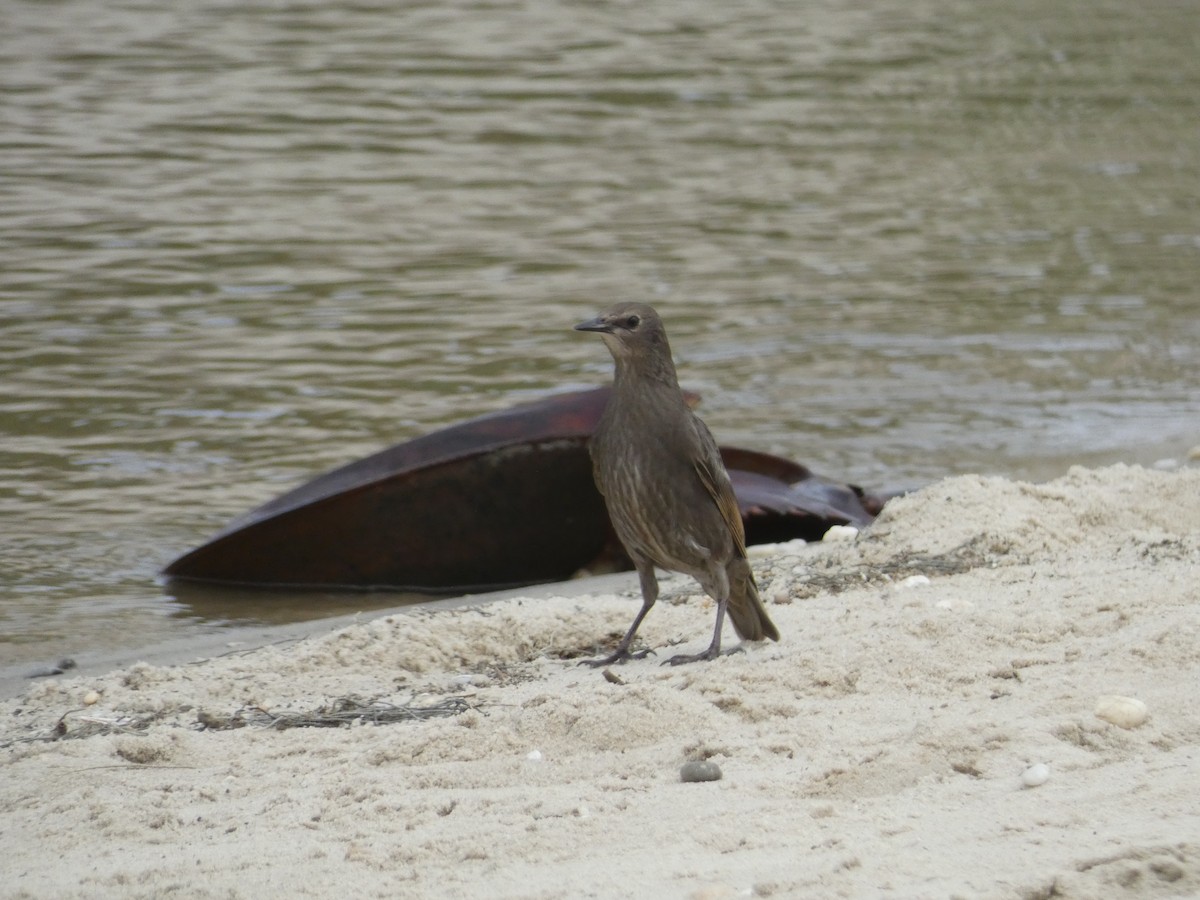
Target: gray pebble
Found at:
700, 770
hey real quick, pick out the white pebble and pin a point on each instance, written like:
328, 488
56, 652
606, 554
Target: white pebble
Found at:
1124, 712
840, 533
777, 585
1036, 775
534, 756
913, 581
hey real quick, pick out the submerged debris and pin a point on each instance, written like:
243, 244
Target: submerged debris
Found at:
57, 669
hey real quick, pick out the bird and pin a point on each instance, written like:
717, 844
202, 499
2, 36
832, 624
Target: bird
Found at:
665, 487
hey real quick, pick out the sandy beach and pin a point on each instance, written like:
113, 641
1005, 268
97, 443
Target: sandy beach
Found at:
989, 693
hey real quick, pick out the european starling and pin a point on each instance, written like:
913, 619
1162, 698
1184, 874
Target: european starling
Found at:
666, 489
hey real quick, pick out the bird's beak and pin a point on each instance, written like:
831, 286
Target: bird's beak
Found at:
596, 324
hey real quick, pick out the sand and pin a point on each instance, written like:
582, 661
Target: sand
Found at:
877, 750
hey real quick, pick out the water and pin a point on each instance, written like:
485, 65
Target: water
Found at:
241, 244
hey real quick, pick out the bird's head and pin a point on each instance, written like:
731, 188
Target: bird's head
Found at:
633, 333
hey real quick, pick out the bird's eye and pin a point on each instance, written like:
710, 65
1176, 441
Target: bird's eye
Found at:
632, 322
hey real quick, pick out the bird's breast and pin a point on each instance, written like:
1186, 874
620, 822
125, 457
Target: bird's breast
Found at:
656, 501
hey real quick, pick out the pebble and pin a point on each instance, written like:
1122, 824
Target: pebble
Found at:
1036, 775
91, 698
700, 770
1124, 712
913, 581
779, 590
840, 533
534, 756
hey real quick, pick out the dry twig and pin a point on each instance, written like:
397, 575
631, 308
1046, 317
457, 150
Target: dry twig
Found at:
341, 712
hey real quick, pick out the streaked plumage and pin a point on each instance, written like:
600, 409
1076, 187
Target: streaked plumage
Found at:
666, 489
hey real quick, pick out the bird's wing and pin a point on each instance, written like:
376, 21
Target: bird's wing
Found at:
715, 479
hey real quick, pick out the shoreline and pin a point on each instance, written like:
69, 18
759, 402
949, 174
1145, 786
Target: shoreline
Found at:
193, 648
930, 724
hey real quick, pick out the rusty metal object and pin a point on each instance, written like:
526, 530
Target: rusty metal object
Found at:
503, 500
781, 500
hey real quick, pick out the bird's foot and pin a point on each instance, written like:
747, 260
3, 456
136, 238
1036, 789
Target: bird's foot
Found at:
684, 658
619, 656
711, 653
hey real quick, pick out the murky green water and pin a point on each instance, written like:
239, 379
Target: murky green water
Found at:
240, 244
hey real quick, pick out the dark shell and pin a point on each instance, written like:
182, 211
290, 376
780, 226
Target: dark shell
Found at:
503, 500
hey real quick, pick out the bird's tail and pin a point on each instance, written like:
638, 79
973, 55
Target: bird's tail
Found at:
746, 610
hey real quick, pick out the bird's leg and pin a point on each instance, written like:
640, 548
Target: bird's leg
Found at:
714, 649
649, 596
716, 584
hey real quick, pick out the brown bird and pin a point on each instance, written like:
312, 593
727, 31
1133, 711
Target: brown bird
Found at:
666, 489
